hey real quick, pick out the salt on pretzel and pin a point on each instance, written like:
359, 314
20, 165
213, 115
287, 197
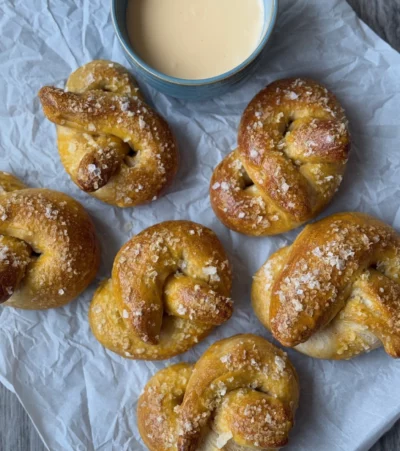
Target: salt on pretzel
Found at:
169, 288
293, 146
241, 395
48, 248
112, 144
335, 292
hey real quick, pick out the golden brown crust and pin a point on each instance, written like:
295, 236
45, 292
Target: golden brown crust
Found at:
242, 394
112, 144
48, 248
169, 288
293, 146
15, 255
335, 292
158, 405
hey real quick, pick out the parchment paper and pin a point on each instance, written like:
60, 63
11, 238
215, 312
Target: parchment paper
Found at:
83, 397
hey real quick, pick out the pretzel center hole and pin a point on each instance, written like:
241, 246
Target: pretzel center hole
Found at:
129, 157
288, 127
247, 181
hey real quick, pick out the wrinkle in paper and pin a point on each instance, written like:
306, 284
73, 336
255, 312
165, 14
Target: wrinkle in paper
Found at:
79, 395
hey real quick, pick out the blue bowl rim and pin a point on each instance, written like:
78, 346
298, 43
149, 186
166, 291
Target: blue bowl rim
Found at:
186, 82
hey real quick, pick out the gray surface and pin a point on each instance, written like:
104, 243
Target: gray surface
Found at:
16, 430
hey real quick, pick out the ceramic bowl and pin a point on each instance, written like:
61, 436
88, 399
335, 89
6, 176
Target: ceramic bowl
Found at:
183, 88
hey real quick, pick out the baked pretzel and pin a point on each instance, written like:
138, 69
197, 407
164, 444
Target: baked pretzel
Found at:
111, 143
241, 395
335, 292
293, 148
48, 248
169, 288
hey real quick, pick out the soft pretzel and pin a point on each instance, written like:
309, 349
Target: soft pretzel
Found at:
111, 143
241, 395
169, 288
335, 292
48, 248
293, 148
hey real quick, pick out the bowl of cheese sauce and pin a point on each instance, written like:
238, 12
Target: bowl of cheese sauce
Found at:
193, 49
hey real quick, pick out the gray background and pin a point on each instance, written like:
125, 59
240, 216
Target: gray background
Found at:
16, 430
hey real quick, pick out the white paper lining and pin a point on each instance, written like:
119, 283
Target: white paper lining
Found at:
81, 396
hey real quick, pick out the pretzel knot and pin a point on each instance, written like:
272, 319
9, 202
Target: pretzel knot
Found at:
335, 292
293, 148
112, 144
242, 394
169, 288
48, 248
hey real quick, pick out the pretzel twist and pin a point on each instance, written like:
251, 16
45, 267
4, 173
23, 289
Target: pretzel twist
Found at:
242, 394
293, 148
335, 292
111, 143
48, 249
169, 288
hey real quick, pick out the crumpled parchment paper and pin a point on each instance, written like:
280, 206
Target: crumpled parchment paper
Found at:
81, 396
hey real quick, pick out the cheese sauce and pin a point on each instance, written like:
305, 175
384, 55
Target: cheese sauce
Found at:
195, 39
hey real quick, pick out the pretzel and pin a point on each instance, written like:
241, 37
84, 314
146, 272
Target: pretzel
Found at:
293, 148
335, 292
111, 143
242, 394
169, 288
48, 248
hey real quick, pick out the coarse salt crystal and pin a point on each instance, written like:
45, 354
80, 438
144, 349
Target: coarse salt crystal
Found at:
225, 358
181, 309
253, 153
285, 187
280, 363
297, 305
292, 95
124, 106
317, 252
92, 168
209, 270
142, 123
